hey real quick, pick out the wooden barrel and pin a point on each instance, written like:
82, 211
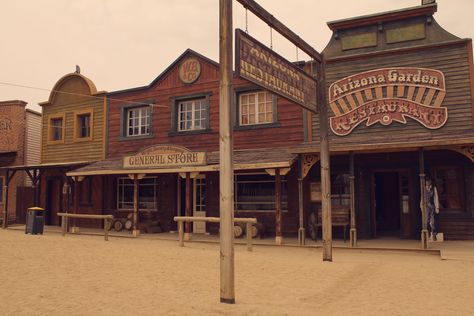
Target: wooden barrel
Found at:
118, 225
128, 224
238, 231
258, 229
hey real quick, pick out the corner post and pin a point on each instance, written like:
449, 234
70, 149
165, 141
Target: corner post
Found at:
278, 224
353, 231
424, 228
301, 230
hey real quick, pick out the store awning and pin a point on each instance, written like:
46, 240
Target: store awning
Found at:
243, 160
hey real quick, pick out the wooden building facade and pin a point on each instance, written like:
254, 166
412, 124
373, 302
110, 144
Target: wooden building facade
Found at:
401, 108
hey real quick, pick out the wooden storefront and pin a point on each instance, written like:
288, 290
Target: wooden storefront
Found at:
400, 96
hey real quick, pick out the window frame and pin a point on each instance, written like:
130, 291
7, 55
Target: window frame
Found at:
175, 103
50, 140
238, 92
124, 110
284, 193
119, 202
460, 172
77, 127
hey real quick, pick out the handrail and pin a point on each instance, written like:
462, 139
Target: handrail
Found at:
107, 221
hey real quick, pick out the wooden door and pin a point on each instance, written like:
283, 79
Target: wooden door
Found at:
53, 201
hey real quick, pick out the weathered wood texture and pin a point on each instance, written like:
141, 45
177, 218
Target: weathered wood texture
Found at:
289, 129
73, 93
452, 60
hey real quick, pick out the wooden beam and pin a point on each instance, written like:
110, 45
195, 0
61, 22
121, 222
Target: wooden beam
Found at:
325, 167
136, 198
278, 231
424, 222
226, 171
274, 23
187, 209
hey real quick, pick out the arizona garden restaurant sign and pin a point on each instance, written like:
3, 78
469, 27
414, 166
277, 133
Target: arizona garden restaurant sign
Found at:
260, 65
165, 156
387, 95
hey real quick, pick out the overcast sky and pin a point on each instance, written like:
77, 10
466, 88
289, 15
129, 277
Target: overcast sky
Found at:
121, 44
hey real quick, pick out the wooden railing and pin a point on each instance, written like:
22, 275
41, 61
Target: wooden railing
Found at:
107, 221
182, 219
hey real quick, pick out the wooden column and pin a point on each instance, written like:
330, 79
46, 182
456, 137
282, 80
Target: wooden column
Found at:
424, 228
5, 202
187, 210
353, 231
301, 230
325, 166
74, 228
226, 173
278, 233
136, 197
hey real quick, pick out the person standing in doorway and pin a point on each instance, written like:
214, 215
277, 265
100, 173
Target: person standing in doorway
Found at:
432, 207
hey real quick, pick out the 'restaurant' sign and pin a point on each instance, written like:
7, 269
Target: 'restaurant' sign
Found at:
387, 95
165, 156
262, 66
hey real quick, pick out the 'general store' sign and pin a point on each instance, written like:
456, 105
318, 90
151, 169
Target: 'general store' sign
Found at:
164, 156
387, 95
262, 66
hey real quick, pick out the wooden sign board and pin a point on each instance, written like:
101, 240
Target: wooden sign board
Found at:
262, 66
164, 157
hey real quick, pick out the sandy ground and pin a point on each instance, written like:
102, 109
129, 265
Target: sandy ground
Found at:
84, 275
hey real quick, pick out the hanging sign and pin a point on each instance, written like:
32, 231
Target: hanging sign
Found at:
387, 95
165, 156
262, 66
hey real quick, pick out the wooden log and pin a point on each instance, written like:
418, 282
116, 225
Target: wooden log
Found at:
181, 233
128, 225
238, 231
248, 232
106, 229
118, 225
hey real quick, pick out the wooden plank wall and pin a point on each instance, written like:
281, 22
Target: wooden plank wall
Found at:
452, 61
290, 130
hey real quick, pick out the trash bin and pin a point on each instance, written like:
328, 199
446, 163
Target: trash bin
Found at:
34, 220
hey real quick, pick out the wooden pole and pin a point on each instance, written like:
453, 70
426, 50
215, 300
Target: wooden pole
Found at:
325, 166
353, 231
248, 231
301, 230
181, 233
278, 233
187, 210
226, 181
74, 228
424, 228
135, 231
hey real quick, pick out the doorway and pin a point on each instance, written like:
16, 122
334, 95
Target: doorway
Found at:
198, 200
387, 204
53, 201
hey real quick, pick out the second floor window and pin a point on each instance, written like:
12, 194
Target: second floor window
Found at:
138, 121
56, 127
255, 108
83, 126
192, 115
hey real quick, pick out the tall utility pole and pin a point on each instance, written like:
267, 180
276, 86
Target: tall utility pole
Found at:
226, 171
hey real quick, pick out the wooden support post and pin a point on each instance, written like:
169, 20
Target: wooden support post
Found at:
424, 228
248, 231
187, 210
301, 230
63, 225
181, 233
5, 206
226, 173
106, 229
325, 166
74, 228
135, 231
278, 233
353, 230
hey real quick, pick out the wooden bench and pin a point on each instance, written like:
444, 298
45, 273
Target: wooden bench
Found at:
182, 219
107, 221
340, 217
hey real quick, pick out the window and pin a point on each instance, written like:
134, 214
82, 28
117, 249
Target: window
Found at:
138, 121
56, 128
340, 189
2, 183
256, 192
83, 125
200, 198
449, 182
256, 108
146, 191
192, 115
